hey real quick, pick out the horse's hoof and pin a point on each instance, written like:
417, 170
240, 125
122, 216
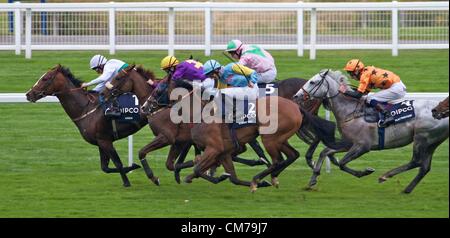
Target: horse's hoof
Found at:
264, 161
275, 182
382, 179
135, 166
263, 184
127, 185
155, 180
253, 187
187, 180
370, 170
177, 177
312, 183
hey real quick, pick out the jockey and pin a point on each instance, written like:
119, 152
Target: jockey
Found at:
107, 69
392, 88
254, 57
188, 70
240, 78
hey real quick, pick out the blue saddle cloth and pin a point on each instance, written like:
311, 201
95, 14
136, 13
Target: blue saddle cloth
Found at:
129, 108
239, 113
402, 111
267, 89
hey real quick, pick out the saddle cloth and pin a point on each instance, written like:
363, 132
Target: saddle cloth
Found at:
401, 111
129, 108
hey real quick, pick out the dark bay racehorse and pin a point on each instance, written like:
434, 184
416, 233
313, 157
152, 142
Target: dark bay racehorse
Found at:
441, 110
424, 131
84, 110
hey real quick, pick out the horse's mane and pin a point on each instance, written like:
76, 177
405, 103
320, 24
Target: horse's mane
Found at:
148, 74
338, 76
66, 72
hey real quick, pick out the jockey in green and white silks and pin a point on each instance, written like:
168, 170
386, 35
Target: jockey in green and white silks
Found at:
240, 79
254, 57
107, 69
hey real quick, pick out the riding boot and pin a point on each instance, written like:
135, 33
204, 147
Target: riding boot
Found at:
113, 109
388, 119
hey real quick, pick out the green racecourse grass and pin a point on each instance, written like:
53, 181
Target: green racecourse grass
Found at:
48, 170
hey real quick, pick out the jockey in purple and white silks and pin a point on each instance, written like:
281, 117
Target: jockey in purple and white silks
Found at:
254, 57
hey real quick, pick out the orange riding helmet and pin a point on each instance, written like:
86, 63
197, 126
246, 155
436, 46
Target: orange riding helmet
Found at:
354, 65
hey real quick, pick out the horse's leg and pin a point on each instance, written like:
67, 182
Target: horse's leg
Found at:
248, 162
355, 151
316, 171
159, 142
309, 154
107, 147
411, 165
292, 155
260, 152
273, 149
104, 162
178, 166
202, 163
227, 164
424, 157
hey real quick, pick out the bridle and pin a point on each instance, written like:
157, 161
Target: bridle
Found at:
42, 93
307, 95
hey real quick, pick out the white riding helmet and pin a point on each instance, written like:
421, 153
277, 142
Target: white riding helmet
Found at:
97, 61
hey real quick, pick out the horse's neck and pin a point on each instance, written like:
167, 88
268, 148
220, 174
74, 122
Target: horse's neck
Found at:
142, 90
342, 106
74, 103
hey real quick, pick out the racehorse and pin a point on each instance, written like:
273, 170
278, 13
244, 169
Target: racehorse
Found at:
84, 110
426, 132
441, 110
167, 133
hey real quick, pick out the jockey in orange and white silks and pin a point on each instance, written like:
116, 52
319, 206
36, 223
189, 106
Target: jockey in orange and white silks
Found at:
370, 77
254, 57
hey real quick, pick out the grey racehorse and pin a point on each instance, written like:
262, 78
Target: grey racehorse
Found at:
426, 132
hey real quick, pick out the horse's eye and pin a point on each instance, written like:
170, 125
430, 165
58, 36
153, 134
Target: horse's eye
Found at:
312, 82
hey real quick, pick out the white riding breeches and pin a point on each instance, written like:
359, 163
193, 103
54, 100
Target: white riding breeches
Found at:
241, 92
207, 84
396, 91
268, 76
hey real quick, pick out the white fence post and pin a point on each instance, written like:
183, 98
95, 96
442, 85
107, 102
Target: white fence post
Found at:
28, 33
171, 29
130, 150
208, 31
394, 28
300, 46
112, 29
313, 32
18, 28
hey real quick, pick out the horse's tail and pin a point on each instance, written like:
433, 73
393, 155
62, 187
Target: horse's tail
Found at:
315, 127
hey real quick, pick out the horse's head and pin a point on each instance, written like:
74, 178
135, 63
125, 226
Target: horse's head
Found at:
322, 85
441, 110
53, 82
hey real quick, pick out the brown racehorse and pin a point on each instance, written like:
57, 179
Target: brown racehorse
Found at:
166, 132
84, 110
441, 110
214, 138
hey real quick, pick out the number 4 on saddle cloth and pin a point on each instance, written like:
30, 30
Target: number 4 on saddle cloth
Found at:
129, 108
